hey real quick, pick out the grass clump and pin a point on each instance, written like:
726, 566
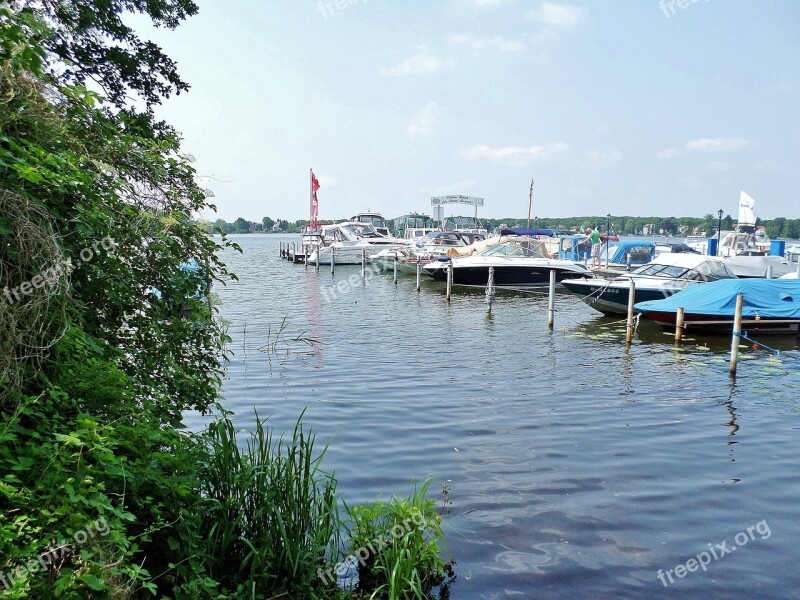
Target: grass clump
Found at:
396, 545
271, 514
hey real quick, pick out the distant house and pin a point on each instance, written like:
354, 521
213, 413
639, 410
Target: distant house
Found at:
648, 229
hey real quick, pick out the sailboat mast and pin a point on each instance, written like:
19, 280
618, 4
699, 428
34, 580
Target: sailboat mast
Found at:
530, 204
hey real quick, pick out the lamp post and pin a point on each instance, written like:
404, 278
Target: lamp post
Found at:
719, 229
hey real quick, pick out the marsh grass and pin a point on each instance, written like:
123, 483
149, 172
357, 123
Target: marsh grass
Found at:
271, 513
407, 536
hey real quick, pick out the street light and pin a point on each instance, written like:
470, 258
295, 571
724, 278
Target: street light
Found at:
719, 229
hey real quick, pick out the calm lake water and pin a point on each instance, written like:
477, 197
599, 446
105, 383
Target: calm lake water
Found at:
577, 469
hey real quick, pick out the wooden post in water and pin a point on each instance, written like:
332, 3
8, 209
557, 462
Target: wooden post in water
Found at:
363, 263
280, 249
333, 259
551, 302
394, 267
319, 247
737, 330
419, 271
305, 255
769, 272
798, 267
449, 280
631, 299
490, 293
679, 325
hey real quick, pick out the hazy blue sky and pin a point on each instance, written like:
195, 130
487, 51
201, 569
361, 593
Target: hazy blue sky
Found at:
621, 107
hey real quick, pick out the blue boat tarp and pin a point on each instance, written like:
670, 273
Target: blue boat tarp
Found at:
547, 232
766, 298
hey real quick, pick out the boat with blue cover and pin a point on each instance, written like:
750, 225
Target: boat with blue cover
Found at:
770, 306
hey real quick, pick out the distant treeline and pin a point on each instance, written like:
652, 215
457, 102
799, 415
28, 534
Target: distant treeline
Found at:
775, 228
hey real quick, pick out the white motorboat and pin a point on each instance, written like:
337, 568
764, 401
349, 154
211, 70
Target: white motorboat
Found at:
521, 262
665, 275
347, 242
375, 219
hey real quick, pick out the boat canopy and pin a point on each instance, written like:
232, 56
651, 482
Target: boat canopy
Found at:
547, 232
766, 298
634, 252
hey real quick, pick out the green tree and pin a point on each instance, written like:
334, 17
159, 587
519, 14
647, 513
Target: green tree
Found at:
267, 223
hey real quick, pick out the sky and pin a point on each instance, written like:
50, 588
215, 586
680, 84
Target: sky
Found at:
624, 107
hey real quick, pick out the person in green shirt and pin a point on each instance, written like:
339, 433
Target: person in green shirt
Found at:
593, 236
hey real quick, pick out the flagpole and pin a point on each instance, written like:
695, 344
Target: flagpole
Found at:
310, 197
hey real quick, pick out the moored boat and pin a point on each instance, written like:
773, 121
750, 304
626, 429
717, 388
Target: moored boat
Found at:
770, 306
666, 275
518, 263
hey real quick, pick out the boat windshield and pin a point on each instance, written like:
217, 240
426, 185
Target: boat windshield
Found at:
363, 230
706, 271
526, 250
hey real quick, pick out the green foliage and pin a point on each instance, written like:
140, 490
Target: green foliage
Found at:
398, 544
271, 513
97, 477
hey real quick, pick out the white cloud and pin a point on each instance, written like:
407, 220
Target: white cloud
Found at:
497, 42
420, 63
595, 158
515, 156
716, 145
562, 16
669, 153
719, 166
426, 120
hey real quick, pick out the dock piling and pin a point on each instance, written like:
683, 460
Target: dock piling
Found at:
679, 325
419, 271
490, 292
363, 263
551, 301
449, 280
333, 259
394, 267
631, 300
305, 255
316, 254
737, 331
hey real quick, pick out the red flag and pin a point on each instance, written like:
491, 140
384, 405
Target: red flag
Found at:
314, 204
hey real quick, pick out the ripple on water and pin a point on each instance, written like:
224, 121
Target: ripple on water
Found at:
577, 469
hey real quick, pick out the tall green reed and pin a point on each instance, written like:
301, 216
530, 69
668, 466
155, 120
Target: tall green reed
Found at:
271, 513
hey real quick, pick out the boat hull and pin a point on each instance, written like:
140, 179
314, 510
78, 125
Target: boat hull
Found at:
504, 276
613, 300
723, 324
